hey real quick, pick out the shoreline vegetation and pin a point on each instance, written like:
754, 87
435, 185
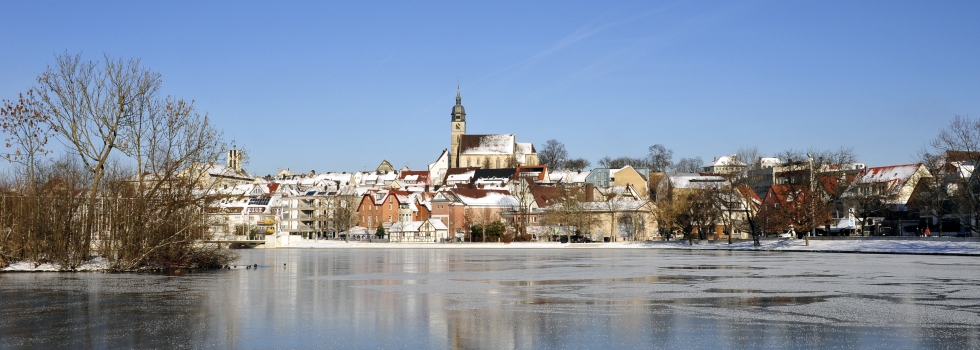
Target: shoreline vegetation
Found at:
899, 247
130, 185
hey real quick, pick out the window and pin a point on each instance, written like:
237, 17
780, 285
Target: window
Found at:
389, 218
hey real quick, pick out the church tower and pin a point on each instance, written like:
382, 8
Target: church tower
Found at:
458, 130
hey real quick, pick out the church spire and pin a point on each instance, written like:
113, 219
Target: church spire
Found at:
459, 114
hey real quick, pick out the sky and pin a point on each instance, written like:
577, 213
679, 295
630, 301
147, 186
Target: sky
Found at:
340, 86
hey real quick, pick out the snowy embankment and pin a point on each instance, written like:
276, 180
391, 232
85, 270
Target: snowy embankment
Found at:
919, 246
923, 246
97, 264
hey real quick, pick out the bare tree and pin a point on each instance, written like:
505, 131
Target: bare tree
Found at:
522, 189
616, 163
484, 217
937, 196
831, 170
689, 165
868, 199
748, 155
569, 211
108, 114
577, 164
28, 130
730, 208
341, 212
660, 158
553, 154
703, 213
667, 210
957, 149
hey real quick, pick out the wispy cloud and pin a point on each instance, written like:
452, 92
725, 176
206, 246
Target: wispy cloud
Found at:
382, 63
578, 35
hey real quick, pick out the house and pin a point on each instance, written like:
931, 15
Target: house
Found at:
724, 165
885, 193
944, 202
437, 169
622, 215
672, 185
568, 177
460, 206
605, 177
427, 231
896, 183
378, 207
459, 176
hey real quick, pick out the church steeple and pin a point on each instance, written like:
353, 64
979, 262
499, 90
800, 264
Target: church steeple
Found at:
459, 113
457, 130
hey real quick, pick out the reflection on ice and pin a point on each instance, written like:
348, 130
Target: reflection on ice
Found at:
472, 298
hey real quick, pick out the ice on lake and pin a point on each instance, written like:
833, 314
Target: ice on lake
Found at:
499, 298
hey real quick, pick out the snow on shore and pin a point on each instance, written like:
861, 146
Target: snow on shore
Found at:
97, 264
920, 246
924, 246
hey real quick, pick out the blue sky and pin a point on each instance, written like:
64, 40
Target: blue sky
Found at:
339, 86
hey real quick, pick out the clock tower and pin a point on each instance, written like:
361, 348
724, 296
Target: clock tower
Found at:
458, 125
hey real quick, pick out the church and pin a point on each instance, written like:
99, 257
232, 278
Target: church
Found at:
497, 151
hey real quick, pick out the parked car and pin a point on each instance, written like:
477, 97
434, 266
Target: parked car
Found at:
785, 235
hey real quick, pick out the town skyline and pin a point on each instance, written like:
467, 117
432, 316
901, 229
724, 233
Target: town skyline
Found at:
341, 87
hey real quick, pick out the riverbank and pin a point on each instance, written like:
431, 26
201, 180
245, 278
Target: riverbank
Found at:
97, 264
919, 246
925, 246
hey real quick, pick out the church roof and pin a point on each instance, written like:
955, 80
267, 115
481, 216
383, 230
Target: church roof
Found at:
502, 144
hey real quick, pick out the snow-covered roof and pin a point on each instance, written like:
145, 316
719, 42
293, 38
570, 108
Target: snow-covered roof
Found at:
464, 177
223, 171
900, 173
618, 192
727, 161
524, 148
965, 169
491, 199
769, 162
415, 226
695, 180
488, 144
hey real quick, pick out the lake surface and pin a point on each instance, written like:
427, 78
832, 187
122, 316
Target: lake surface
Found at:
499, 298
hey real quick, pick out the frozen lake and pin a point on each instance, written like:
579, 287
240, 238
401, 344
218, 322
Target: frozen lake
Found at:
499, 298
